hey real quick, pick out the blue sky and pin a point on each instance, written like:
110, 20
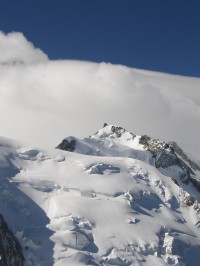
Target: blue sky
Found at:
149, 34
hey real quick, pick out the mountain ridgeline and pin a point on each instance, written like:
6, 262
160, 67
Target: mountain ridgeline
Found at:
158, 153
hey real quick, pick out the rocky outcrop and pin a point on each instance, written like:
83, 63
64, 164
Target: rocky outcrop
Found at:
153, 145
118, 131
67, 145
165, 158
193, 165
169, 152
10, 249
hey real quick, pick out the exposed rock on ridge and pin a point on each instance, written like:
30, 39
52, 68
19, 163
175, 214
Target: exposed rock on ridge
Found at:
165, 153
162, 154
67, 145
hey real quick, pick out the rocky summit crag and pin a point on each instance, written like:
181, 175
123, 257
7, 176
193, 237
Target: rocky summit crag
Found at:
158, 153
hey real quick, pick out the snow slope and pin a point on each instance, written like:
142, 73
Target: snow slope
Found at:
98, 205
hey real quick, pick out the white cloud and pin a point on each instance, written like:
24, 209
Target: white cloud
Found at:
14, 48
43, 103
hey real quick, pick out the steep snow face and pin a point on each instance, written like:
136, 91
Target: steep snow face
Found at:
68, 208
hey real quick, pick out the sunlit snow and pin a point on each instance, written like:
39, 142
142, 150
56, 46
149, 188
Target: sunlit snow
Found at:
81, 209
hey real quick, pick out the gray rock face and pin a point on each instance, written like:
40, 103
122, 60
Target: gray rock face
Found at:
118, 131
193, 165
163, 152
165, 158
153, 145
169, 154
10, 249
67, 145
105, 125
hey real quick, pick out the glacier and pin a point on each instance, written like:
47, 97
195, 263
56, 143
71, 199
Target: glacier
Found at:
105, 200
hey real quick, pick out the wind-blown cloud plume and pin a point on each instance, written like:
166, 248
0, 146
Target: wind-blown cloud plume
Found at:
14, 48
43, 103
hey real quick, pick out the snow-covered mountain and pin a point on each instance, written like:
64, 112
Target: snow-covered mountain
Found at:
113, 198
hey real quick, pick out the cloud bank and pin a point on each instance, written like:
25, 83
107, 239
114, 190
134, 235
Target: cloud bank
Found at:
43, 103
14, 48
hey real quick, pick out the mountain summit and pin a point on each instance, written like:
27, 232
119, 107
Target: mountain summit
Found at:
115, 141
113, 198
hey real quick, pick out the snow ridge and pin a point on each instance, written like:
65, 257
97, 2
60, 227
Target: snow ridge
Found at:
116, 141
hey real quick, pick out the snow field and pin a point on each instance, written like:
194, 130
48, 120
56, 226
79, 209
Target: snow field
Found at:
74, 209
